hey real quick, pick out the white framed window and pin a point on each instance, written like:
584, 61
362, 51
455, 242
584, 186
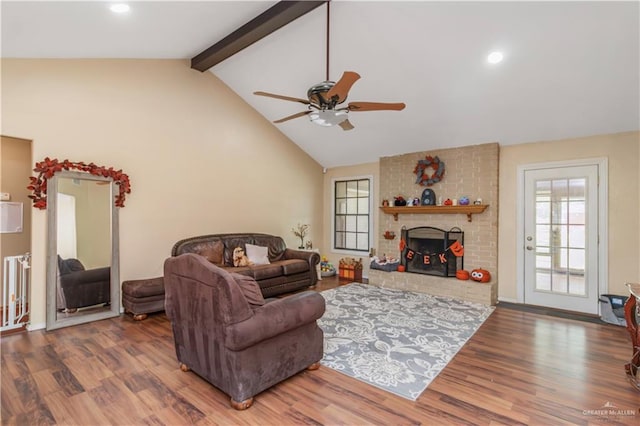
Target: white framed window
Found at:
352, 215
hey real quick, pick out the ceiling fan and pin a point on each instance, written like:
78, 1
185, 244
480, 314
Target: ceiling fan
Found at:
324, 100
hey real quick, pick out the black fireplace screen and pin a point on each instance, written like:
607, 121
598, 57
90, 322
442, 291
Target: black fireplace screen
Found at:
433, 251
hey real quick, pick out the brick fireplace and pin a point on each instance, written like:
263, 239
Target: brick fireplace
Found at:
470, 171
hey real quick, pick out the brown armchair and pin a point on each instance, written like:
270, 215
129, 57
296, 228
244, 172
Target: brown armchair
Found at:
240, 348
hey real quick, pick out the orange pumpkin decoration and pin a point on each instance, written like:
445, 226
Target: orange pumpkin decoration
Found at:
458, 250
481, 275
462, 274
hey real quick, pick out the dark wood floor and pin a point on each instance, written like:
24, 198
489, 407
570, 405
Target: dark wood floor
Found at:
519, 368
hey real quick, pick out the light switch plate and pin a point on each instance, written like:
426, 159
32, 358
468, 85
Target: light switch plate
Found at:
5, 196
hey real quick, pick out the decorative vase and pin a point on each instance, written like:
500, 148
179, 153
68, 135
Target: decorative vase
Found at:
400, 202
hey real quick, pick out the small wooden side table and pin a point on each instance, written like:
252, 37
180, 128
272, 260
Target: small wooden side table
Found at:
631, 313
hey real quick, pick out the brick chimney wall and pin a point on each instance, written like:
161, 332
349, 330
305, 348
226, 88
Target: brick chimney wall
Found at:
470, 171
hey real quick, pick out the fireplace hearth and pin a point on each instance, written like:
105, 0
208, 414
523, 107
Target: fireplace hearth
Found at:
430, 251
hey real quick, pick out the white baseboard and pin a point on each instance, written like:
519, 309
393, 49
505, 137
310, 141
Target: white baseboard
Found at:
507, 299
34, 327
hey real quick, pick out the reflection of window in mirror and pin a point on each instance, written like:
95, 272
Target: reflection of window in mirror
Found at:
92, 220
67, 242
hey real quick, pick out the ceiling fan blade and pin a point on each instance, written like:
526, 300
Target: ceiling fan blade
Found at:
376, 106
342, 87
291, 117
284, 98
346, 125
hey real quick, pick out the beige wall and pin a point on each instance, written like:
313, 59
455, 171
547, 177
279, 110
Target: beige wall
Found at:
199, 158
623, 153
15, 169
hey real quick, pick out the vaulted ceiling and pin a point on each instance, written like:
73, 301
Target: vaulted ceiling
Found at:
570, 69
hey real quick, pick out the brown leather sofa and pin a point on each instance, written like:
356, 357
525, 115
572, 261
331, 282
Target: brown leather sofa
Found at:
229, 335
288, 270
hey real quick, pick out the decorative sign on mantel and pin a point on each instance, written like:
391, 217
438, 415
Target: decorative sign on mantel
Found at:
456, 248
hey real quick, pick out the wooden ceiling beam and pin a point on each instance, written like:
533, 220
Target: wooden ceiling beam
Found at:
261, 26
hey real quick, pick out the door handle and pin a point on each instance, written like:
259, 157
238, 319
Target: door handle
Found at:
529, 248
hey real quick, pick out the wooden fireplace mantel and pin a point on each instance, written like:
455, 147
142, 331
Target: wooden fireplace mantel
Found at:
468, 210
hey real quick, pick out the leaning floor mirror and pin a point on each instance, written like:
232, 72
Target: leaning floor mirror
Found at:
83, 282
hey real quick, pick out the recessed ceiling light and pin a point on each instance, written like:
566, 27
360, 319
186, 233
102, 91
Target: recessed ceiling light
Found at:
119, 8
494, 57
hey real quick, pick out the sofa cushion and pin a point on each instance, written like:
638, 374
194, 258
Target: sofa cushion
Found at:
294, 266
249, 288
212, 251
262, 272
276, 245
230, 243
243, 270
257, 254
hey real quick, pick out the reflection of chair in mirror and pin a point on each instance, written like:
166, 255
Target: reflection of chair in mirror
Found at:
225, 331
79, 287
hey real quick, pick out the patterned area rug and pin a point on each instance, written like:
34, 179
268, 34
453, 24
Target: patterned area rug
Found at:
395, 340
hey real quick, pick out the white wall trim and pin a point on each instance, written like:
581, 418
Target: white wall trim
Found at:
372, 235
508, 300
603, 218
34, 327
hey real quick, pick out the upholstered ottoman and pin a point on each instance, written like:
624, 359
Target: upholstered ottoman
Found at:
142, 297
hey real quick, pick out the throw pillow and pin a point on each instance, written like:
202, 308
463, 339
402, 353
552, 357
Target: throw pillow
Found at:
212, 252
250, 288
257, 254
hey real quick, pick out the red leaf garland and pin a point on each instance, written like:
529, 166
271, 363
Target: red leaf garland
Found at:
47, 168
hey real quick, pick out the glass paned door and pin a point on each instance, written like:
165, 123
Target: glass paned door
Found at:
561, 238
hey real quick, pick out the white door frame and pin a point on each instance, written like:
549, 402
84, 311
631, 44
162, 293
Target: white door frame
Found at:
603, 222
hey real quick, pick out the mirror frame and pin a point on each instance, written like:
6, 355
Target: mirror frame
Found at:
53, 322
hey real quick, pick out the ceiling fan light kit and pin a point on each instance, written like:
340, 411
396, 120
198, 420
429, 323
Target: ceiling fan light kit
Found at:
327, 118
324, 98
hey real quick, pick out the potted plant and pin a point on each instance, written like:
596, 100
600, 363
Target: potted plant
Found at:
301, 231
